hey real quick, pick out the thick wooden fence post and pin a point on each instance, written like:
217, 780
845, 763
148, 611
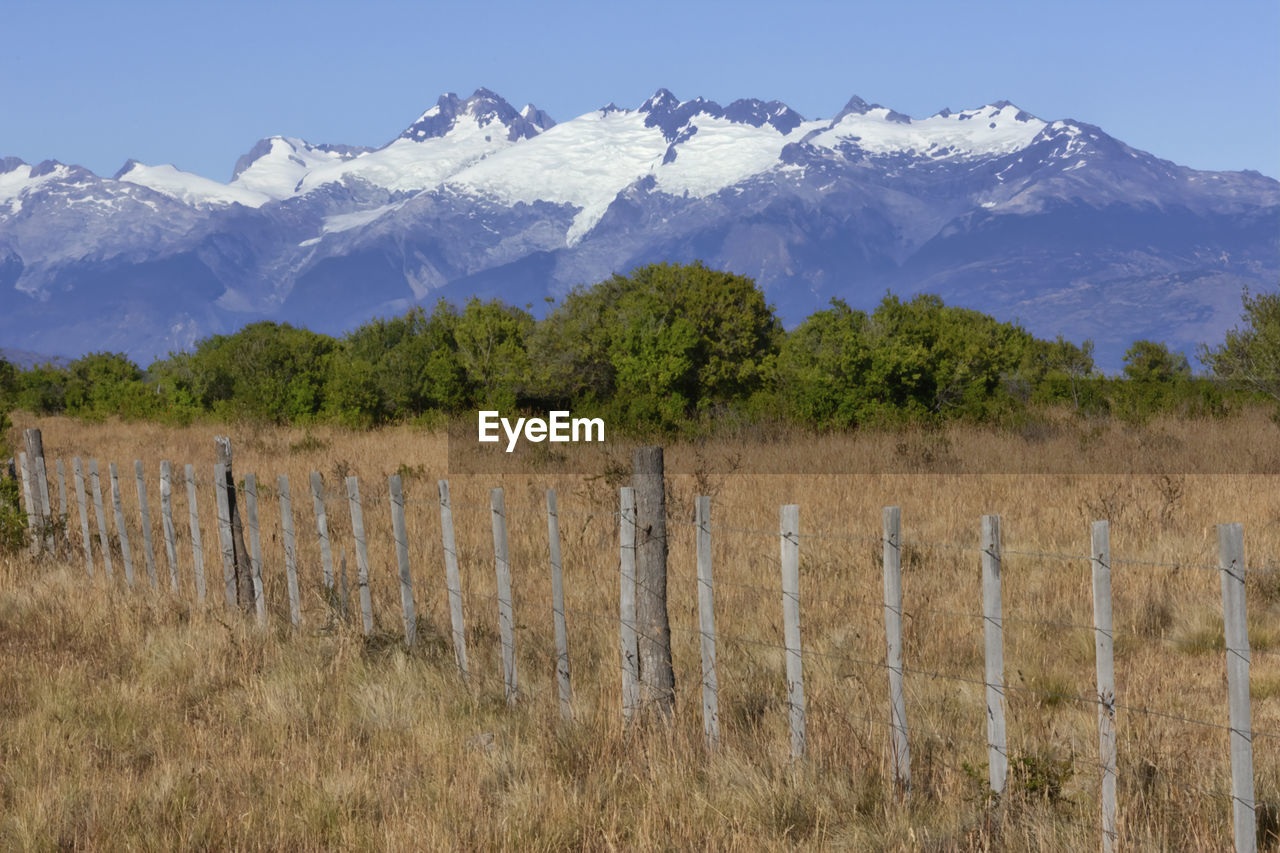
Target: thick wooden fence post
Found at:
290, 551
557, 607
362, 554
126, 555
255, 546
77, 470
707, 626
41, 522
166, 523
224, 534
322, 533
627, 604
104, 540
657, 678
506, 611
453, 579
197, 547
145, 514
241, 570
993, 637
30, 501
402, 558
1104, 646
1236, 634
892, 560
790, 545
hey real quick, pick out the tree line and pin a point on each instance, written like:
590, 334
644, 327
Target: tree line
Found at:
668, 348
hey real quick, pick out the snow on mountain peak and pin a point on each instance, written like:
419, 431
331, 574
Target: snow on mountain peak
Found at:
276, 166
484, 107
187, 187
870, 129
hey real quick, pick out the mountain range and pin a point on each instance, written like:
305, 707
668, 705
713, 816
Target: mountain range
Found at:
1053, 223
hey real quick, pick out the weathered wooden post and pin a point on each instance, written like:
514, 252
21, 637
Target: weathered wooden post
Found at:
62, 503
362, 554
166, 521
77, 470
993, 637
322, 533
557, 607
193, 520
453, 579
145, 514
126, 554
243, 573
657, 677
506, 610
1236, 635
892, 559
255, 546
41, 524
30, 503
104, 540
627, 604
1104, 647
707, 626
401, 534
224, 533
290, 550
789, 524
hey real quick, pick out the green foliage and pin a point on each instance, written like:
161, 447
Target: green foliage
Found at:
917, 360
267, 371
491, 340
658, 346
1250, 354
13, 521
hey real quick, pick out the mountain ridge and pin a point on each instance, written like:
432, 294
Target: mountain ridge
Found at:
475, 197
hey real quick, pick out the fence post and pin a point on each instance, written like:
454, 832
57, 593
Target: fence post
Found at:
557, 607
255, 546
322, 532
145, 513
627, 604
790, 542
707, 626
197, 548
224, 534
402, 558
892, 560
77, 470
39, 489
1104, 645
1236, 634
993, 638
29, 501
290, 550
241, 569
166, 523
95, 485
126, 556
653, 628
62, 502
453, 580
362, 554
506, 613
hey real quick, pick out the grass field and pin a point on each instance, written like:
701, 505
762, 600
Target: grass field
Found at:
139, 720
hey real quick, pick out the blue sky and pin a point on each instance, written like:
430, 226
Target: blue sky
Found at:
196, 84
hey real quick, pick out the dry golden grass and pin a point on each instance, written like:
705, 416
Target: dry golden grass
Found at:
133, 719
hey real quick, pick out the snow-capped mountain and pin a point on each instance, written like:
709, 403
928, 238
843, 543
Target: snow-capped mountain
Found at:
1052, 222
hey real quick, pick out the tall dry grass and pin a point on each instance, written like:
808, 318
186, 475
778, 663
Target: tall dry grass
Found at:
137, 719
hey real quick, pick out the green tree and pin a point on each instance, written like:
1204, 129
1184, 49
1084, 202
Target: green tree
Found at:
1250, 354
266, 370
823, 366
492, 349
1151, 361
102, 383
659, 345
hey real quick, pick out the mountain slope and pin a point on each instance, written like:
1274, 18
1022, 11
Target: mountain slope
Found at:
1054, 223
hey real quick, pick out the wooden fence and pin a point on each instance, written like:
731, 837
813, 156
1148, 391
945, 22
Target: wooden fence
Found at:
51, 532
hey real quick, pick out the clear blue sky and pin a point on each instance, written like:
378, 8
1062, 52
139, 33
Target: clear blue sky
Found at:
197, 83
